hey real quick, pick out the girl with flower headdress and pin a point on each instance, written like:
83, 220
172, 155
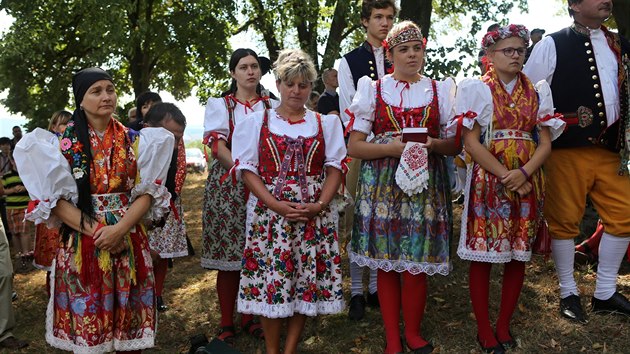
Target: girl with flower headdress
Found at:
102, 183
402, 223
508, 124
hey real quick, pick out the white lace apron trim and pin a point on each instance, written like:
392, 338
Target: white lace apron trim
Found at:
400, 265
214, 264
289, 309
125, 345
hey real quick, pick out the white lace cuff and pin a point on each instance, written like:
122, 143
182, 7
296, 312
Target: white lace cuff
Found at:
246, 166
556, 126
161, 198
42, 211
335, 164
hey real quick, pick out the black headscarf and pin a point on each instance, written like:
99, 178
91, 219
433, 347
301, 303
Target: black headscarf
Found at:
83, 79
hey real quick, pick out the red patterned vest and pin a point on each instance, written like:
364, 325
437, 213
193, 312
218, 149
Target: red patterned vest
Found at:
282, 156
393, 119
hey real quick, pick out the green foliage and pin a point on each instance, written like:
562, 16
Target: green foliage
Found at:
443, 61
171, 45
317, 27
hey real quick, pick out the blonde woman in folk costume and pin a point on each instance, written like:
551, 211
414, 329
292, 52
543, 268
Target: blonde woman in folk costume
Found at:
290, 160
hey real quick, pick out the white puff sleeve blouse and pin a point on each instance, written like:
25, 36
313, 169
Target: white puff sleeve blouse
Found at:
399, 94
45, 173
248, 136
155, 150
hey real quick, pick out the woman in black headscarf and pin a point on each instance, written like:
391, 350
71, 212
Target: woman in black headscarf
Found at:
102, 283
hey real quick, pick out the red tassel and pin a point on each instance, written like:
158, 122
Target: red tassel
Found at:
91, 273
141, 268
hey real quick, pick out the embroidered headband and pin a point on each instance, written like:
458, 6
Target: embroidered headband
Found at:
404, 32
491, 38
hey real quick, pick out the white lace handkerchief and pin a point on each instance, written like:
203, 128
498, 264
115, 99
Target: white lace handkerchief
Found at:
412, 175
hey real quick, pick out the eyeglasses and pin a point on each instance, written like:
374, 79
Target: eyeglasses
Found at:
509, 51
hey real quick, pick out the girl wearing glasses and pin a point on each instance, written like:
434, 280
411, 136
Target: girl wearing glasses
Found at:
509, 125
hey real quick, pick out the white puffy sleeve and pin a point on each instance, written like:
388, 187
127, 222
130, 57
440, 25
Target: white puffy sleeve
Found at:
155, 150
216, 123
46, 175
335, 144
446, 97
346, 89
541, 64
363, 106
546, 117
247, 133
474, 103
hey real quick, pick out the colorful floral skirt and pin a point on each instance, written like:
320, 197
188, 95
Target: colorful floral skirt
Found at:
497, 225
223, 221
111, 311
46, 243
169, 241
394, 231
291, 267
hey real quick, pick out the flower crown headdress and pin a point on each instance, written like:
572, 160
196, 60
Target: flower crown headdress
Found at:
407, 33
492, 37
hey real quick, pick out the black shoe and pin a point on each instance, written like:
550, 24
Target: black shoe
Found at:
13, 343
428, 348
372, 300
14, 296
571, 308
160, 304
509, 344
617, 304
357, 307
497, 349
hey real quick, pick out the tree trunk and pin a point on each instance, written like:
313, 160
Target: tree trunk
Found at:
621, 12
335, 35
266, 27
418, 11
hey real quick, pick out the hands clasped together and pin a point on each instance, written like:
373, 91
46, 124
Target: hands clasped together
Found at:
110, 238
516, 181
301, 212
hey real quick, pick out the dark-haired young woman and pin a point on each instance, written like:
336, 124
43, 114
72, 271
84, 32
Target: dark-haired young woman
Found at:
224, 201
167, 240
106, 179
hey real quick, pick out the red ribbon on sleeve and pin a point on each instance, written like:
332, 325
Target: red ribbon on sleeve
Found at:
550, 117
214, 137
460, 125
350, 122
231, 172
31, 206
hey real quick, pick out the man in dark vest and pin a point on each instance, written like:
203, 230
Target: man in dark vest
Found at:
587, 67
377, 18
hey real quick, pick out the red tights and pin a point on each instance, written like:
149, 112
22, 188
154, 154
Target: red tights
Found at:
159, 270
479, 283
412, 301
227, 289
